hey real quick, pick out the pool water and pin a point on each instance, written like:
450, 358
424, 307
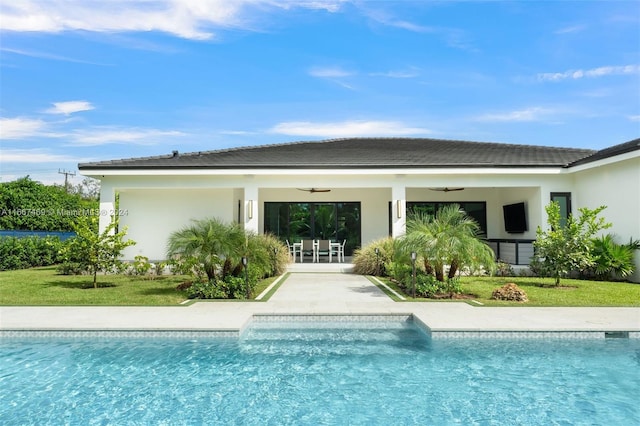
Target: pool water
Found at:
279, 374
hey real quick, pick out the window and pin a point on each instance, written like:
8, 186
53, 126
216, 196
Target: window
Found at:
564, 199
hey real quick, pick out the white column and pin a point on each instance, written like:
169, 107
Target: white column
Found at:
398, 210
251, 209
107, 205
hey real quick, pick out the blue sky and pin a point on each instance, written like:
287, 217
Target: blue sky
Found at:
89, 80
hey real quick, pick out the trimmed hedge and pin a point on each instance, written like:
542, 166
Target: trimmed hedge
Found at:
27, 252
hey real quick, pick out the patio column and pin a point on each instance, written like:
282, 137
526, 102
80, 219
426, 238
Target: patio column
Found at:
107, 206
251, 209
398, 210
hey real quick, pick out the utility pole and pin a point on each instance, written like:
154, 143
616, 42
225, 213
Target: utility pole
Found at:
66, 177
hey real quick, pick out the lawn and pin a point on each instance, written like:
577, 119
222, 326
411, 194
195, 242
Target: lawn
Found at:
44, 286
541, 292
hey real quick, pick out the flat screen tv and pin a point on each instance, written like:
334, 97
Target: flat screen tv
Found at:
515, 218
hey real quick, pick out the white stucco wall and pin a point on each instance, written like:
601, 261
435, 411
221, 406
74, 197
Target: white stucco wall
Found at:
160, 202
617, 186
153, 214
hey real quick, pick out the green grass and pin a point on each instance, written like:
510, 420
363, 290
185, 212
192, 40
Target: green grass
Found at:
44, 286
541, 292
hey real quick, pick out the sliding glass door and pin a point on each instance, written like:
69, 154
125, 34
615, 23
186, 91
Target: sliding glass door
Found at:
323, 221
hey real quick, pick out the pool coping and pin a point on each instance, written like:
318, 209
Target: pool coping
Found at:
331, 318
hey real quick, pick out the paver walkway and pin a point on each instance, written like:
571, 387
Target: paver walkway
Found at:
328, 291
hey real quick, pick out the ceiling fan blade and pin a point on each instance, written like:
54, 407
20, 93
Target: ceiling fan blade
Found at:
446, 189
312, 190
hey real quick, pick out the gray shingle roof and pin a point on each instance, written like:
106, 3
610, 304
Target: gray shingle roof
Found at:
359, 153
622, 148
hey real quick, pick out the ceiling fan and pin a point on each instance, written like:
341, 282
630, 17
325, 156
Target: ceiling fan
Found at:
446, 189
312, 190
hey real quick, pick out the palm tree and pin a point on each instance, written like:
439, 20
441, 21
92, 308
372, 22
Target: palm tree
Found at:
217, 246
449, 238
612, 259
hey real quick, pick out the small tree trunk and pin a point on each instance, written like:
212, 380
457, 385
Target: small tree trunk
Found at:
453, 269
428, 268
210, 270
95, 278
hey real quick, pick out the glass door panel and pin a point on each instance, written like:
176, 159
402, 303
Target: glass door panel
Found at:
324, 221
299, 221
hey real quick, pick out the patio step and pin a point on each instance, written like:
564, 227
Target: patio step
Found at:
345, 268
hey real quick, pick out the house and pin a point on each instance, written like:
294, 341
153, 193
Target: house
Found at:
360, 189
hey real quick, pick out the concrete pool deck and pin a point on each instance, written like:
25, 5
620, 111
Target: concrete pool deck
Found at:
320, 292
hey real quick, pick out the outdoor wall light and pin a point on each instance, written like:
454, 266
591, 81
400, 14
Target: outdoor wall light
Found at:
250, 209
399, 208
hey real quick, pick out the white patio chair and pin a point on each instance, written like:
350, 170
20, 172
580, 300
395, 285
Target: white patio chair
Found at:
323, 247
338, 250
293, 249
308, 246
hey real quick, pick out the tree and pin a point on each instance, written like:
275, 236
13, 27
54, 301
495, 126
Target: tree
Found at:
88, 189
96, 251
450, 238
29, 205
217, 246
562, 249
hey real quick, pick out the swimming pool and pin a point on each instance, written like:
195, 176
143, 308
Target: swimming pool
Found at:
387, 373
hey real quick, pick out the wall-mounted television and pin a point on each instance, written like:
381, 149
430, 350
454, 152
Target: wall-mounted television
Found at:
515, 218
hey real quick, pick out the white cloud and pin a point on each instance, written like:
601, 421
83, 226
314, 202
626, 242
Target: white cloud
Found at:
453, 37
113, 135
330, 72
409, 73
25, 128
20, 128
36, 156
69, 107
634, 117
346, 129
528, 114
592, 73
44, 55
328, 5
236, 132
571, 29
190, 19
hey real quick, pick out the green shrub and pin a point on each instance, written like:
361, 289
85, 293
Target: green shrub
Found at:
503, 269
612, 260
70, 268
205, 290
367, 262
400, 271
28, 252
141, 265
428, 286
229, 288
